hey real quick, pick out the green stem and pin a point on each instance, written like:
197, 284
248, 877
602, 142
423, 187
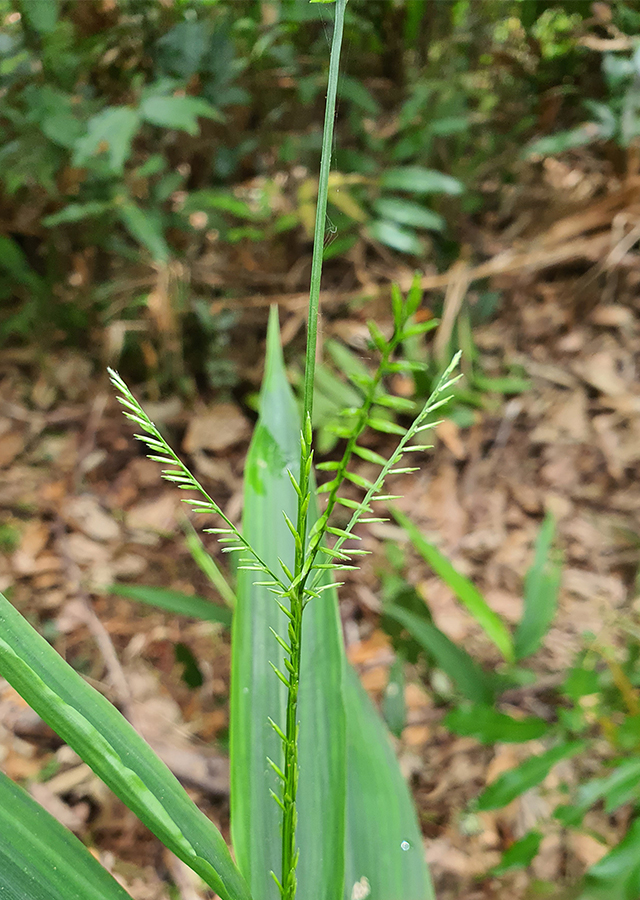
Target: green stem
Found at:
296, 595
321, 210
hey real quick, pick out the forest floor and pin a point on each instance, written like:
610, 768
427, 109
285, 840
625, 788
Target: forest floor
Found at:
82, 509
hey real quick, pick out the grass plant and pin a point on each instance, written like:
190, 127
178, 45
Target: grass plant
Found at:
319, 808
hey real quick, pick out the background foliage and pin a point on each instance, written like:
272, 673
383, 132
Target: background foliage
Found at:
139, 139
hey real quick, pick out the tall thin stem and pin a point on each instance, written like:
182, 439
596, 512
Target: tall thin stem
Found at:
321, 209
296, 595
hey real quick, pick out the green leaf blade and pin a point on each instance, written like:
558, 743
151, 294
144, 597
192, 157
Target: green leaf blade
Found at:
41, 860
472, 682
256, 692
541, 587
384, 844
107, 742
491, 623
175, 602
525, 776
489, 726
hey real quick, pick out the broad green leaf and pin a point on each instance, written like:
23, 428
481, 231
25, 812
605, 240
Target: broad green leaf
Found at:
418, 180
525, 776
104, 739
110, 131
492, 624
406, 212
174, 601
468, 677
145, 227
41, 860
181, 113
384, 846
617, 875
520, 854
490, 726
256, 692
541, 586
395, 237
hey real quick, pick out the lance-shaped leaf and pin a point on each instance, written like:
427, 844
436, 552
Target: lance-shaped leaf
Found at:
385, 852
467, 593
115, 751
41, 860
256, 692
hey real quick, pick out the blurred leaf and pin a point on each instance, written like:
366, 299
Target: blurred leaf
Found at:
469, 678
145, 227
581, 682
174, 602
76, 212
41, 860
181, 50
506, 385
104, 739
417, 180
563, 140
13, 261
490, 726
257, 693
353, 89
384, 845
224, 200
207, 564
42, 17
405, 212
465, 591
394, 708
525, 776
618, 788
110, 131
395, 237
520, 854
181, 113
541, 586
617, 875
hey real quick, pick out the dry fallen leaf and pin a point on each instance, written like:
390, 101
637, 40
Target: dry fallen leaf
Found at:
216, 429
86, 514
10, 446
